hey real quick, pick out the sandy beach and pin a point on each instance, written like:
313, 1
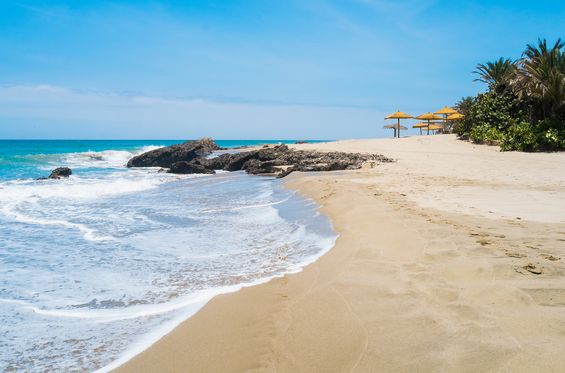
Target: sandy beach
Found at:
450, 259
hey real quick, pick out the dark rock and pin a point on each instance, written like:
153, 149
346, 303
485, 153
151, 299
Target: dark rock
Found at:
281, 148
60, 172
256, 167
165, 157
237, 161
216, 163
286, 172
279, 160
271, 160
193, 167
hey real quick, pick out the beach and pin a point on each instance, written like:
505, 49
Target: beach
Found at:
450, 259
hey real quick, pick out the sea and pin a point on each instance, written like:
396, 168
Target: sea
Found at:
97, 267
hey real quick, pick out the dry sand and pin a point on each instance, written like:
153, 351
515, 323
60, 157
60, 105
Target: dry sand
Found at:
451, 259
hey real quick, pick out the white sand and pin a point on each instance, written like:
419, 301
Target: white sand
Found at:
451, 259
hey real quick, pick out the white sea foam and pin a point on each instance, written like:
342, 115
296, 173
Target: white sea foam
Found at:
139, 252
88, 233
193, 307
105, 158
25, 201
248, 206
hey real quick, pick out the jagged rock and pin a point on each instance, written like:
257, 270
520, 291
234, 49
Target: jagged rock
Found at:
286, 172
216, 163
256, 167
269, 160
60, 172
193, 167
237, 161
279, 160
165, 157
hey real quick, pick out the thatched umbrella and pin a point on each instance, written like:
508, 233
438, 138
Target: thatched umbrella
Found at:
420, 126
455, 116
428, 117
445, 112
395, 127
398, 115
435, 127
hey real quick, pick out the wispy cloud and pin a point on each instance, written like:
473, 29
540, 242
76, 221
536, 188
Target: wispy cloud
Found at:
60, 112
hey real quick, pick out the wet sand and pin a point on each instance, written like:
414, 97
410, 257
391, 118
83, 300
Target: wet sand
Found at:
450, 259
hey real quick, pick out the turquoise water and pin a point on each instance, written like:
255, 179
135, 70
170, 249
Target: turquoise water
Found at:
29, 158
96, 267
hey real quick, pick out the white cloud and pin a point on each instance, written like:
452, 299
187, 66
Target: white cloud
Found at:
57, 112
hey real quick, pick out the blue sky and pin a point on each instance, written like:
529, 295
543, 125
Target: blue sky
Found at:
249, 68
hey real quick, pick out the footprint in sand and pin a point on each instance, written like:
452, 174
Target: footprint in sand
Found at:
550, 257
532, 268
515, 255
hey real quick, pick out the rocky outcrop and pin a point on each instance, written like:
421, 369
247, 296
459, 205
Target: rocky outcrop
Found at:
193, 167
191, 157
277, 160
60, 172
165, 157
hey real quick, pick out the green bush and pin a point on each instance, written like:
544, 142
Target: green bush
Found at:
523, 136
551, 133
524, 108
484, 133
489, 115
520, 136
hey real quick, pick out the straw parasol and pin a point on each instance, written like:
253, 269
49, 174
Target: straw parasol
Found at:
395, 127
428, 117
445, 111
420, 126
435, 127
398, 115
455, 116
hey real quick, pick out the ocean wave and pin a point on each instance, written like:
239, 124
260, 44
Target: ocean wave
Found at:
88, 233
30, 202
164, 248
198, 298
89, 159
78, 188
245, 207
103, 159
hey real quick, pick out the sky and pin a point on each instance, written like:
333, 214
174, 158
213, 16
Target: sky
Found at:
248, 69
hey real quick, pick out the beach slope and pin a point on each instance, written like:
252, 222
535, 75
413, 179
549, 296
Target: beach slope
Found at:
450, 259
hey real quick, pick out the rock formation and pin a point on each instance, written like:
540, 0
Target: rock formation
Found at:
277, 160
194, 167
165, 157
60, 172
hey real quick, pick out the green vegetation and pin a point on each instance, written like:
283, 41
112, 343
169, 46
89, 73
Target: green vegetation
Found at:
524, 108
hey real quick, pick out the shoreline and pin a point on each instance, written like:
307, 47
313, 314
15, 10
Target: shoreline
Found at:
197, 301
412, 283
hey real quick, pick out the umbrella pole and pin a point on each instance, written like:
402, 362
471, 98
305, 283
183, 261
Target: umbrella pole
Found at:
444, 123
398, 127
428, 126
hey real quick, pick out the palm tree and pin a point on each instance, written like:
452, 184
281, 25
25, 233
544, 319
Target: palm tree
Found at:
464, 105
542, 78
497, 74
